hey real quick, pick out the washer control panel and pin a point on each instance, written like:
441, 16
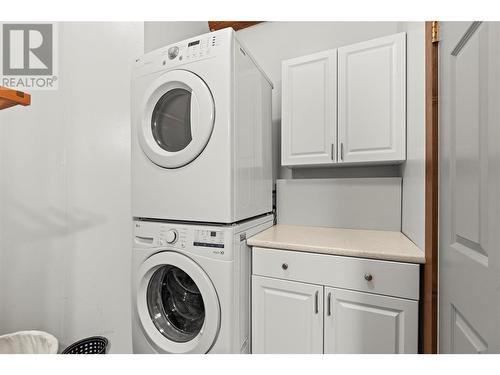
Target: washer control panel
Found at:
209, 241
171, 236
176, 238
209, 238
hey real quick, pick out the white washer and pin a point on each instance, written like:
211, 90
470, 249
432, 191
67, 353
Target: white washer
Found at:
191, 286
201, 132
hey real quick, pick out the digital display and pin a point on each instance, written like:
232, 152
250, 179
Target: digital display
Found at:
194, 43
209, 238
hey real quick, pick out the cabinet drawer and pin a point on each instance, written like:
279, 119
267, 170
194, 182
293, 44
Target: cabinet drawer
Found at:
388, 278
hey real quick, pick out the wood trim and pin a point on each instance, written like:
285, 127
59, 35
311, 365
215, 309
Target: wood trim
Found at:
10, 98
430, 284
236, 25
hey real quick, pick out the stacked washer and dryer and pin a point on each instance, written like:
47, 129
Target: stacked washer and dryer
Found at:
201, 184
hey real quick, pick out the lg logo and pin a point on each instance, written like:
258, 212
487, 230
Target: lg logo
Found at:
28, 49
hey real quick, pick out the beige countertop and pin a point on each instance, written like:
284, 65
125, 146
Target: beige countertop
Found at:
374, 244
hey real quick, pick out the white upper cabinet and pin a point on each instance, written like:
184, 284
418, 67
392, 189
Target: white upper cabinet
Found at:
346, 105
372, 100
309, 109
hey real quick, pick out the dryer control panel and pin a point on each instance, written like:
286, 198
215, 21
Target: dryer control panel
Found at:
187, 51
193, 50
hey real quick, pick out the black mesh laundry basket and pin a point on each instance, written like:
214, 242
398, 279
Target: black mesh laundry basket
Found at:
90, 345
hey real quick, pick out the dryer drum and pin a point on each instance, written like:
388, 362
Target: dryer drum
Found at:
171, 120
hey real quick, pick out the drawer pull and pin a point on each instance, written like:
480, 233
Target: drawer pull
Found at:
368, 277
284, 266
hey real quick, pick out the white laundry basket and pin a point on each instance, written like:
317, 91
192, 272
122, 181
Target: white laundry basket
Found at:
28, 342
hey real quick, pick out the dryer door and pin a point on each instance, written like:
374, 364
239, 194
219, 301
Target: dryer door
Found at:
177, 304
178, 119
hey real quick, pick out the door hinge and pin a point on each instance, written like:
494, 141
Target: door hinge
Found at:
435, 31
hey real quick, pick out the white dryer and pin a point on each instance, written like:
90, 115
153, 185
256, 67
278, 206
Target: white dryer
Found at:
201, 132
191, 287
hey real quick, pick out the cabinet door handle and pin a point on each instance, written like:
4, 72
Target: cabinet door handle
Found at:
316, 302
329, 302
342, 151
333, 151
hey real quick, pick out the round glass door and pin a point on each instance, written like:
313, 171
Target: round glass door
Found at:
171, 120
178, 119
177, 304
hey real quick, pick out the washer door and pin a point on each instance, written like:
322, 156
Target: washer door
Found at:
178, 119
177, 304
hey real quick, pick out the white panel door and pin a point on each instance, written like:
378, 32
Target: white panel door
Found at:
469, 282
372, 100
287, 317
309, 109
359, 323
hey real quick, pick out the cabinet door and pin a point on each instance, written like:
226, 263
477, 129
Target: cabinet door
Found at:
309, 109
372, 100
287, 317
358, 322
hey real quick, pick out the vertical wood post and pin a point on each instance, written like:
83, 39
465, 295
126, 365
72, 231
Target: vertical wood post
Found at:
430, 285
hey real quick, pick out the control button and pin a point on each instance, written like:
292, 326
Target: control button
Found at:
173, 52
171, 236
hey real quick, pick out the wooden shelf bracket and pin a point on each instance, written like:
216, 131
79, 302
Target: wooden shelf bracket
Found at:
10, 98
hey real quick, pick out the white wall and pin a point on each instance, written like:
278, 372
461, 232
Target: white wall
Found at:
161, 34
413, 170
65, 218
355, 203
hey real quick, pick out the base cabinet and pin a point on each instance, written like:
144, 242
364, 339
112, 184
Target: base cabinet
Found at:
315, 303
287, 317
358, 322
